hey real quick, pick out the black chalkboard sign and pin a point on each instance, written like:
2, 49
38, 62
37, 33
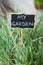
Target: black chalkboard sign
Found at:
22, 21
